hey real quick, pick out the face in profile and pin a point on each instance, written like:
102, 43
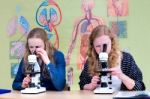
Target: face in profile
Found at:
99, 41
35, 43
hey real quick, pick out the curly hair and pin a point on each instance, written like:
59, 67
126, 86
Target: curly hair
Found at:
93, 56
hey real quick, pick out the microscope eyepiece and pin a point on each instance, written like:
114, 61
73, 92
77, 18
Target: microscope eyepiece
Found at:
104, 47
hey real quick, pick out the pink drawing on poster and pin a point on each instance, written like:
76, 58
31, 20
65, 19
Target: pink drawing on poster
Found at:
17, 49
83, 27
19, 23
12, 26
117, 7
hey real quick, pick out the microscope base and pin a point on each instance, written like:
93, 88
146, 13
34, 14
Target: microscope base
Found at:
100, 90
33, 90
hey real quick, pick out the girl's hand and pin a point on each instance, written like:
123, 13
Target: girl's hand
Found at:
116, 71
43, 54
26, 81
94, 83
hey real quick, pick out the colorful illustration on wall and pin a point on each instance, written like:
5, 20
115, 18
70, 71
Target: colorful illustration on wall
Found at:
12, 26
15, 24
17, 49
14, 69
20, 23
83, 28
23, 25
120, 28
117, 7
49, 16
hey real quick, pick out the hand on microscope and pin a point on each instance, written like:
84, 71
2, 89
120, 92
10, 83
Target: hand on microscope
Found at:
127, 81
94, 83
43, 55
116, 71
26, 81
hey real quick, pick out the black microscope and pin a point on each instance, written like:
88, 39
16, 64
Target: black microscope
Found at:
105, 77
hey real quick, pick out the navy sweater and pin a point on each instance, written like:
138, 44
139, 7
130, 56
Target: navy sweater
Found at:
128, 67
57, 72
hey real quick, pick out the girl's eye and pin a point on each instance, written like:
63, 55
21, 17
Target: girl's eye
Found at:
30, 46
98, 46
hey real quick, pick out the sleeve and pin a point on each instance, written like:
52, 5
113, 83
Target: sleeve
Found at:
19, 77
57, 71
84, 78
136, 74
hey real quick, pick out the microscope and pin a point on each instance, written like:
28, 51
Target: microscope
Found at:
105, 77
34, 86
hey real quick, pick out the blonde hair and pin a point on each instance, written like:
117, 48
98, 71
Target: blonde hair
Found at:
93, 56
